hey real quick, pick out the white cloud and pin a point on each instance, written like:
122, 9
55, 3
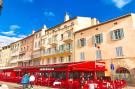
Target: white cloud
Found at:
22, 36
5, 40
14, 27
121, 3
12, 30
9, 33
49, 13
118, 3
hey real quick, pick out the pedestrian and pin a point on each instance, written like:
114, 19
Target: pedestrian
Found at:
25, 81
31, 80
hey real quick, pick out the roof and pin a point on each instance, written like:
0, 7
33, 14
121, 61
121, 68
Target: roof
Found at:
106, 22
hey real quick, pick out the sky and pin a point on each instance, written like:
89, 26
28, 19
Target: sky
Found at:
19, 17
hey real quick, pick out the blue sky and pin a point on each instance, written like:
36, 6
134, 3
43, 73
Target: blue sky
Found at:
20, 17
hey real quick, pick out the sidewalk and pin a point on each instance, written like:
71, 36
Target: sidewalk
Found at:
18, 86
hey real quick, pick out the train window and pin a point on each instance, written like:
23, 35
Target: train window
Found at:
59, 75
74, 75
45, 75
100, 74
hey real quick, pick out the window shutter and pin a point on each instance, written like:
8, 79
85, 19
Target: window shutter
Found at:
112, 35
98, 54
84, 41
101, 37
82, 56
93, 40
78, 43
121, 33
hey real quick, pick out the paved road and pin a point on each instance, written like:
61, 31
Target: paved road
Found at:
17, 86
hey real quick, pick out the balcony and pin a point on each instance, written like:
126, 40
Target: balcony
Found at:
53, 42
14, 61
22, 52
36, 55
68, 38
42, 47
14, 54
56, 53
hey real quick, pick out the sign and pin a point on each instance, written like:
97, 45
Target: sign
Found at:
112, 66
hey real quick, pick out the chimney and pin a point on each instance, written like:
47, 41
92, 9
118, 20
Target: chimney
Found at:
66, 18
33, 31
44, 28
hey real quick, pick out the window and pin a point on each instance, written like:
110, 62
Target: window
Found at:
72, 24
48, 61
61, 36
38, 43
82, 42
69, 58
35, 44
61, 59
61, 48
119, 51
98, 54
49, 40
97, 38
54, 60
82, 56
117, 34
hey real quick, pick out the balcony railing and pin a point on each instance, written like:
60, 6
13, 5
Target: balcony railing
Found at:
14, 53
36, 55
53, 42
68, 38
57, 52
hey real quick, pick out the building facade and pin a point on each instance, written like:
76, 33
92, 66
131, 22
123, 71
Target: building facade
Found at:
26, 50
57, 42
112, 42
80, 39
15, 49
5, 56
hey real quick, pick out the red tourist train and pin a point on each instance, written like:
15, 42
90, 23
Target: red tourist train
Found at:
78, 75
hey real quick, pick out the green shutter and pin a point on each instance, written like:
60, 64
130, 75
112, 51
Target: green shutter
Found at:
121, 33
101, 37
84, 41
112, 35
93, 40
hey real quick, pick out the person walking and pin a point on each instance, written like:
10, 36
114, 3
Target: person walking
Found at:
25, 81
31, 80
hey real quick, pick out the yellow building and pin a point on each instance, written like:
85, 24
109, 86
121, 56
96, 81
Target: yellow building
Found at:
26, 50
15, 49
111, 41
57, 42
5, 56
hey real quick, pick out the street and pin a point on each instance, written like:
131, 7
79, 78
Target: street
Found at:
17, 86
